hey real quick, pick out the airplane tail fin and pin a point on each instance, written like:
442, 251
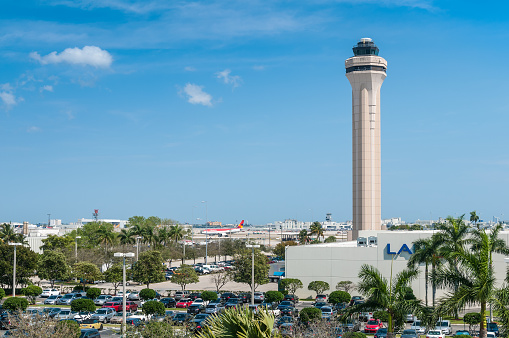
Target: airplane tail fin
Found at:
241, 224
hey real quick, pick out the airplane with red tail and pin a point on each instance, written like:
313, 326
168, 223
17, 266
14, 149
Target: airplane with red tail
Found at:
219, 231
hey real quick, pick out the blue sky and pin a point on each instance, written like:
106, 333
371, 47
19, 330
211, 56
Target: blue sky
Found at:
150, 107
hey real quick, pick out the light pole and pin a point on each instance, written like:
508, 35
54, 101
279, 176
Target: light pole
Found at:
123, 255
14, 271
253, 246
76, 248
137, 246
206, 233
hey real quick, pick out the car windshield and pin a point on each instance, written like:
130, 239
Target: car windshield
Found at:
183, 300
65, 312
492, 326
417, 323
434, 333
408, 331
201, 316
382, 330
371, 322
102, 297
68, 296
53, 297
89, 321
442, 324
326, 309
320, 303
102, 312
180, 315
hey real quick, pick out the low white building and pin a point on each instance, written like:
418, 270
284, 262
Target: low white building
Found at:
340, 261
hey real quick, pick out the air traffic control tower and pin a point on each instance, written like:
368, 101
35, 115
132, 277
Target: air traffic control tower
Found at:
366, 72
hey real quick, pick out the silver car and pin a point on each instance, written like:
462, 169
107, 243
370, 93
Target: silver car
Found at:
103, 315
135, 295
52, 300
102, 299
66, 299
214, 308
65, 314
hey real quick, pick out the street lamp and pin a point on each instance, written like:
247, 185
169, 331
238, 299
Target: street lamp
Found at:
137, 246
76, 248
252, 270
206, 233
14, 271
123, 255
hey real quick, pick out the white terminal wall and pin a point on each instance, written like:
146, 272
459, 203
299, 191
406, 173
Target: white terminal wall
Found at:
334, 262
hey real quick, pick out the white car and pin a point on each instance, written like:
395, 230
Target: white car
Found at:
139, 314
444, 325
198, 301
135, 295
435, 334
417, 326
120, 294
49, 292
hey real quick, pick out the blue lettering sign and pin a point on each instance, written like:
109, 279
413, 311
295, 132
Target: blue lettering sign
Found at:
389, 252
404, 247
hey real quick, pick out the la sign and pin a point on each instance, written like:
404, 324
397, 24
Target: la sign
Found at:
404, 248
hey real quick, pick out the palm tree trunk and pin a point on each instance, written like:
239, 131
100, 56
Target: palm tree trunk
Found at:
426, 282
482, 326
433, 285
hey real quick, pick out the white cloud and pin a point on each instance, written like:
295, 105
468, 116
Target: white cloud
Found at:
190, 69
46, 88
225, 76
196, 95
6, 86
8, 99
88, 55
259, 67
33, 129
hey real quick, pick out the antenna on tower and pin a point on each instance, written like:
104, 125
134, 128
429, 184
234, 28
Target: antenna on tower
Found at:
96, 214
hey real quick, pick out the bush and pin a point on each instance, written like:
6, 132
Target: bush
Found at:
472, 318
71, 327
309, 314
80, 288
208, 296
337, 297
2, 293
354, 335
32, 292
83, 305
93, 293
273, 296
382, 315
461, 336
153, 307
15, 304
147, 294
155, 329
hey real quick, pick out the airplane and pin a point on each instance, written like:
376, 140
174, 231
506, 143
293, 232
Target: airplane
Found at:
220, 231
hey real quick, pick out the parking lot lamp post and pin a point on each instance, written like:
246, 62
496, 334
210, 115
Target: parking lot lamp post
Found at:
123, 255
137, 246
253, 246
14, 271
76, 248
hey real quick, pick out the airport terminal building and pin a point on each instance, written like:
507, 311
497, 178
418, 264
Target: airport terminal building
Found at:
340, 261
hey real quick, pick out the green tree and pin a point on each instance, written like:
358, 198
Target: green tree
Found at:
385, 295
318, 286
153, 307
317, 229
14, 304
147, 294
52, 266
291, 285
93, 293
208, 296
83, 305
330, 239
240, 322
337, 297
472, 319
243, 268
149, 268
155, 329
58, 243
354, 335
32, 292
345, 285
274, 296
310, 314
280, 248
473, 279
303, 236
67, 328
86, 272
26, 264
114, 275
474, 218
2, 293
8, 233
184, 275
382, 315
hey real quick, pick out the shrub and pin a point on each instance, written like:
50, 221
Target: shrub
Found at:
273, 296
32, 292
83, 305
15, 304
2, 293
146, 294
472, 318
382, 315
208, 296
155, 329
93, 293
461, 336
337, 297
354, 335
309, 314
80, 288
153, 307
71, 327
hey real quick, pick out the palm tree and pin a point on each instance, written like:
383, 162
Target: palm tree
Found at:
105, 235
474, 277
126, 237
474, 218
386, 295
317, 229
149, 234
176, 232
8, 233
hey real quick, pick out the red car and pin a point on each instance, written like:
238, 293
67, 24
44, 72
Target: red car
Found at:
373, 325
130, 306
184, 303
114, 305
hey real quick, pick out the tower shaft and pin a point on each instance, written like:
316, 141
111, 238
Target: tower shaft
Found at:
366, 72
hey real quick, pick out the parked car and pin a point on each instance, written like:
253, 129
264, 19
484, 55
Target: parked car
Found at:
117, 299
259, 297
319, 305
99, 301
492, 327
49, 292
354, 325
104, 314
233, 303
381, 333
181, 318
121, 293
198, 301
117, 306
291, 298
409, 318
289, 311
321, 298
118, 317
373, 325
287, 329
227, 295
54, 311
196, 308
245, 297
416, 325
135, 321
462, 333
52, 300
435, 334
356, 299
444, 325
91, 324
283, 304
65, 314
135, 295
284, 319
193, 296
184, 303
197, 322
90, 333
67, 299
328, 312
169, 302
409, 333
181, 294
214, 308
